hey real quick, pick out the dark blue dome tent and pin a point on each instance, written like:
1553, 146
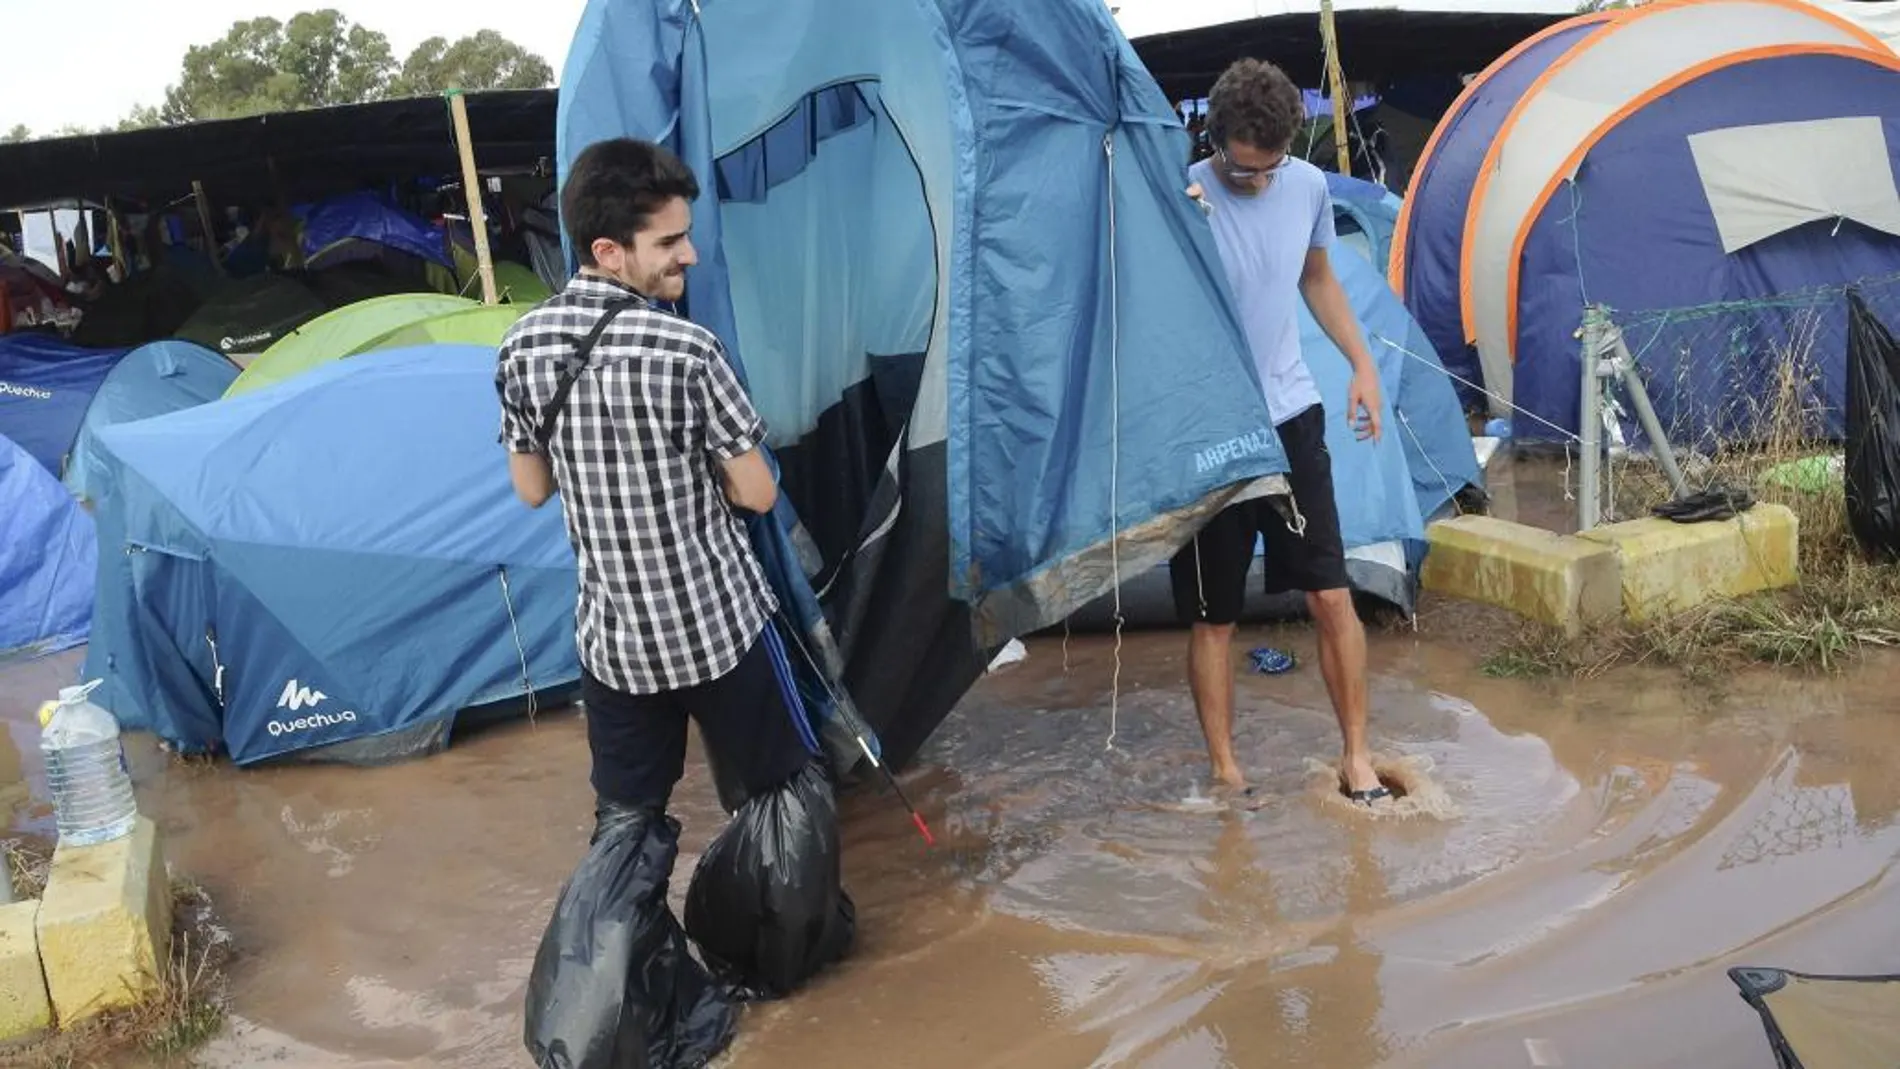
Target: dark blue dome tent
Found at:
946, 244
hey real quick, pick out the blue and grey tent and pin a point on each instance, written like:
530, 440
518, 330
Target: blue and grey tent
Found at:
151, 380
359, 225
46, 385
946, 243
333, 567
48, 557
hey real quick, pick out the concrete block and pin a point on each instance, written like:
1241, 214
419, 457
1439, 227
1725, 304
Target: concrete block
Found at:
1668, 567
1554, 579
25, 1009
105, 924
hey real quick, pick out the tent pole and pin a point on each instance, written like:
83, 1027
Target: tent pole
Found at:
471, 185
204, 220
1336, 78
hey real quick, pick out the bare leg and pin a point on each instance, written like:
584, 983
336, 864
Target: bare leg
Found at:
1342, 661
1211, 678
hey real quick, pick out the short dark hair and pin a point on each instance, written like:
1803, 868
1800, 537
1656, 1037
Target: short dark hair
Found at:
615, 186
1255, 102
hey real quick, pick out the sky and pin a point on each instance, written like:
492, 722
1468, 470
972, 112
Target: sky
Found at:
127, 51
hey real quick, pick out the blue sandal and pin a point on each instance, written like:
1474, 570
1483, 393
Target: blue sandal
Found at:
1367, 797
1270, 661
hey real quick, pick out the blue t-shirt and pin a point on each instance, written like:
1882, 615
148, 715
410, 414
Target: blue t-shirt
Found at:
1263, 241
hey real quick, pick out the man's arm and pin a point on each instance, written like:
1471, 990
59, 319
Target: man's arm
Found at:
1326, 298
527, 467
734, 433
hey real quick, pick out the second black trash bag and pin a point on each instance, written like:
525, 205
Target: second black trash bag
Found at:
767, 904
614, 986
1872, 461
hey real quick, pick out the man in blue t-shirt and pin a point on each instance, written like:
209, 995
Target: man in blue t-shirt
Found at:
1273, 223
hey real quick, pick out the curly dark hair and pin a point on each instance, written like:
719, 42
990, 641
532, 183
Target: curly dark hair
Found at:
1256, 103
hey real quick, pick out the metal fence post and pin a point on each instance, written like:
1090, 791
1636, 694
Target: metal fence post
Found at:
1590, 419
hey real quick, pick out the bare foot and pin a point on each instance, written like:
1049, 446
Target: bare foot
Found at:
1359, 774
1230, 777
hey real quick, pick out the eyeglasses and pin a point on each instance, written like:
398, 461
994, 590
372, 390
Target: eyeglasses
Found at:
1246, 173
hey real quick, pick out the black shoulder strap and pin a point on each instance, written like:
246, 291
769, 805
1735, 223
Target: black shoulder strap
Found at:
545, 433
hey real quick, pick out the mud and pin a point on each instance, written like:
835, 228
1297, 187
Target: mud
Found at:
1568, 873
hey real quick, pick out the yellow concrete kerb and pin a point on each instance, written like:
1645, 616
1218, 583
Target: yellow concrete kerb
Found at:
1668, 567
105, 924
1554, 579
25, 1009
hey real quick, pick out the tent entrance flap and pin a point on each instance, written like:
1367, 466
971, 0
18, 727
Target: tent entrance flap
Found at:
1825, 1022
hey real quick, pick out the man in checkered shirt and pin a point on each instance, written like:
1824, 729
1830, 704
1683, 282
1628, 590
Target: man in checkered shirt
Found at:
654, 448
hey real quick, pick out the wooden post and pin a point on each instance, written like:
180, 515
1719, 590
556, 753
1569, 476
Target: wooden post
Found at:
471, 184
116, 241
1337, 88
59, 246
204, 220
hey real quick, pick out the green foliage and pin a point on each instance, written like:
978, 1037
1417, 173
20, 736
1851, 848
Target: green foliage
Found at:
320, 58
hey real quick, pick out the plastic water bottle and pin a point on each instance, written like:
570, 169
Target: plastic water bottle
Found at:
85, 767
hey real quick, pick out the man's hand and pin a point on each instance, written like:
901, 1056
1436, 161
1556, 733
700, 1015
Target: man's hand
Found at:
1363, 401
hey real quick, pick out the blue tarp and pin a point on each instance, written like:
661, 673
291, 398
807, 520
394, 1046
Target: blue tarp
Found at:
340, 558
1063, 362
164, 376
45, 387
48, 557
362, 216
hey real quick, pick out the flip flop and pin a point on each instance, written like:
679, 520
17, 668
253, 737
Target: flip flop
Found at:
1371, 795
1270, 661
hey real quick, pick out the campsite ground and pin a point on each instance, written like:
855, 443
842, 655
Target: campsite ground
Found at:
1584, 861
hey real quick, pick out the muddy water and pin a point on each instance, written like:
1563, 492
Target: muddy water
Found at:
1613, 848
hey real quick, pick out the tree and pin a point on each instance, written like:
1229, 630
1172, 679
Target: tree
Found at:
320, 58
18, 133
484, 60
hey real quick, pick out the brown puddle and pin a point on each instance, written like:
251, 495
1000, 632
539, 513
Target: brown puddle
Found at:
1579, 865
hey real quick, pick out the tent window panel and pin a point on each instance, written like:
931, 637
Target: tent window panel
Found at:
1767, 179
832, 255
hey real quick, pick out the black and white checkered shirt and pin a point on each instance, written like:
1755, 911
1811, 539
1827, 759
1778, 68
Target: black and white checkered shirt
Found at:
671, 594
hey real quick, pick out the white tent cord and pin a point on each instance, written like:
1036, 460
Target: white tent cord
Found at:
1115, 439
520, 649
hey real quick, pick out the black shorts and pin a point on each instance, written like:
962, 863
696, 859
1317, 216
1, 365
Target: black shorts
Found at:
1210, 573
638, 741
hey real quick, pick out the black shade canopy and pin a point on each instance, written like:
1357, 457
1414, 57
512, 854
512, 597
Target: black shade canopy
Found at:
1378, 46
314, 152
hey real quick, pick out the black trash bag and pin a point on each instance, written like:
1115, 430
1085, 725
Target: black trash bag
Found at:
1872, 463
614, 985
767, 904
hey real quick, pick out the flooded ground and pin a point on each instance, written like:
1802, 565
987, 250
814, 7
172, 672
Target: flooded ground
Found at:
1616, 846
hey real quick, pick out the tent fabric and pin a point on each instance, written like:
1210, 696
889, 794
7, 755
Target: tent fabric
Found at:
1566, 174
1429, 234
340, 332
270, 586
151, 380
329, 227
1828, 169
1703, 374
1604, 73
249, 315
518, 284
45, 387
1825, 1022
48, 558
976, 210
481, 325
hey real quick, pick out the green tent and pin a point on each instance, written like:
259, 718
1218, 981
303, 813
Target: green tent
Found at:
250, 315
351, 329
483, 324
516, 284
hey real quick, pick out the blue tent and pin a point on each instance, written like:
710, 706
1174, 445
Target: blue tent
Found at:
946, 241
48, 557
338, 565
153, 379
1701, 170
335, 227
45, 387
1364, 215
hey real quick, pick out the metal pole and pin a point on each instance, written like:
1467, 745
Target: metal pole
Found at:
1590, 421
1646, 414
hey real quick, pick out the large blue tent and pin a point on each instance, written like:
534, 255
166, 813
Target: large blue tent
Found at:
946, 242
46, 385
336, 565
48, 557
1702, 171
164, 376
